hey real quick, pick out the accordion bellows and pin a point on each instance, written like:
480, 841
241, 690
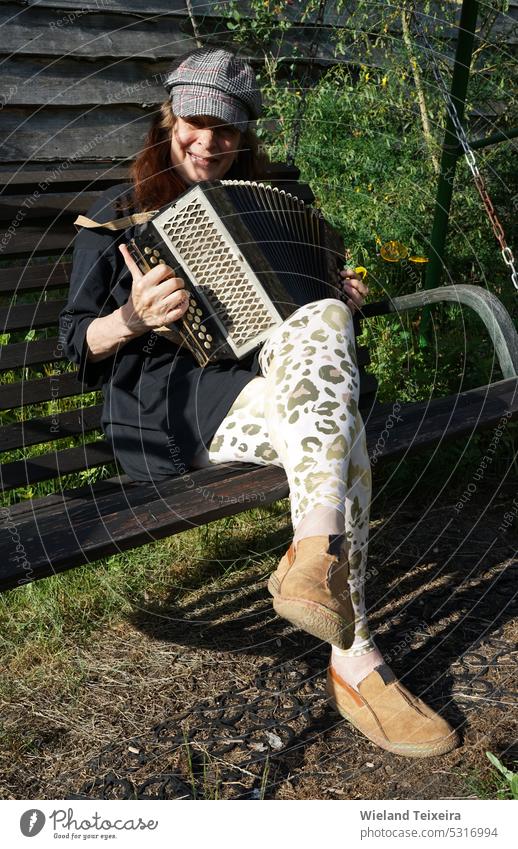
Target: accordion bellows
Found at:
249, 254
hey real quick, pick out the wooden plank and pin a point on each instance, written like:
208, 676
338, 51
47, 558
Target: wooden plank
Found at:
49, 388
61, 174
441, 419
37, 32
78, 8
50, 428
68, 82
71, 134
81, 501
33, 276
29, 316
47, 466
23, 354
83, 542
66, 205
36, 240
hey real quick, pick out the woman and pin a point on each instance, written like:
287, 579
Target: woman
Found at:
293, 403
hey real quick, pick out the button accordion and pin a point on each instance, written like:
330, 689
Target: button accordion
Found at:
249, 255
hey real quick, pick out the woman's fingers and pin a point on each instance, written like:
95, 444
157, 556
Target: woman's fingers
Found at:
179, 299
353, 286
350, 279
130, 263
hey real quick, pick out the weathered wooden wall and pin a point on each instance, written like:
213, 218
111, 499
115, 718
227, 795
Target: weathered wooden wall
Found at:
80, 78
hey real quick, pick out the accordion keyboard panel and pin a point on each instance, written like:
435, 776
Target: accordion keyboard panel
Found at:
219, 273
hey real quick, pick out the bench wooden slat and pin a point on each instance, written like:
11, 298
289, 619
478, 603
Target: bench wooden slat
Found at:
30, 316
443, 419
89, 174
47, 550
47, 466
35, 240
90, 502
26, 278
23, 354
42, 389
48, 428
48, 206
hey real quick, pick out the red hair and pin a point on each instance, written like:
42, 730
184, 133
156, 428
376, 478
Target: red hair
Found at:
155, 182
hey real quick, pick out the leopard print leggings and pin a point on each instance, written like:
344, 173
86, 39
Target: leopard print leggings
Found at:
302, 414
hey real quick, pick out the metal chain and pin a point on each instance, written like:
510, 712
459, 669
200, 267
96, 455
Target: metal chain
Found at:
507, 254
301, 106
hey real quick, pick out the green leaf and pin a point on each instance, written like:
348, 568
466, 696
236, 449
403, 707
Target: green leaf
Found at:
500, 767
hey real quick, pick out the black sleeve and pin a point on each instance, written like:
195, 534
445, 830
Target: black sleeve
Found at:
94, 269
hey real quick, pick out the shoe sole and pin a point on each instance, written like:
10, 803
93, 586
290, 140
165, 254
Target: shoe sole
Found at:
312, 617
409, 750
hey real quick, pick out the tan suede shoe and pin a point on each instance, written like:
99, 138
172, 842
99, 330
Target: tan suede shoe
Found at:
390, 716
309, 589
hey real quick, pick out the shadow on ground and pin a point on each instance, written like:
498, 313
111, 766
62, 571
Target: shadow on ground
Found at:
255, 722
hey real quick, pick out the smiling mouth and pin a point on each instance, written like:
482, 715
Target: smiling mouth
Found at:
201, 160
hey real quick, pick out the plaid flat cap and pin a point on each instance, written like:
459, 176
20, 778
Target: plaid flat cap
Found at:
215, 82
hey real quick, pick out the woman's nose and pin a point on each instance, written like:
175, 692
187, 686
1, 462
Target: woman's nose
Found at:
207, 136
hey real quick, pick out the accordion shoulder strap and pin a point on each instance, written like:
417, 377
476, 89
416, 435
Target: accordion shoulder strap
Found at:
117, 223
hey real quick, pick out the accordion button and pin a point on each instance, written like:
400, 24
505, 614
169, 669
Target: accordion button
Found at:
147, 250
203, 328
206, 345
201, 335
195, 325
153, 260
156, 253
199, 312
161, 261
209, 337
192, 302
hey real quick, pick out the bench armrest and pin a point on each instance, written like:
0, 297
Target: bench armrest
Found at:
496, 319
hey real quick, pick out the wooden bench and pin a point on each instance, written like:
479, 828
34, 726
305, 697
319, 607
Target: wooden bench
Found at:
48, 534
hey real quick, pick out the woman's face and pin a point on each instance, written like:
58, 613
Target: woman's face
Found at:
202, 148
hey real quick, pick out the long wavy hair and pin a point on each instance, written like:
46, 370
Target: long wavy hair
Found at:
155, 181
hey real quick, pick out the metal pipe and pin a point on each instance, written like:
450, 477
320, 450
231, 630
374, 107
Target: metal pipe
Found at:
459, 87
489, 309
503, 136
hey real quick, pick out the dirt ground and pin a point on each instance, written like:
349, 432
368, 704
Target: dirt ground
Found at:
211, 695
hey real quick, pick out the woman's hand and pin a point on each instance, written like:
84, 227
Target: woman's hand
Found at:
157, 298
353, 285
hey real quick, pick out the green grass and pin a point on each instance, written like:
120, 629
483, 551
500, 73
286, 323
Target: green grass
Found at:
42, 625
497, 782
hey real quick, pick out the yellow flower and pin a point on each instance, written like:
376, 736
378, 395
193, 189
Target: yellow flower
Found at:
393, 251
384, 82
367, 77
369, 187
